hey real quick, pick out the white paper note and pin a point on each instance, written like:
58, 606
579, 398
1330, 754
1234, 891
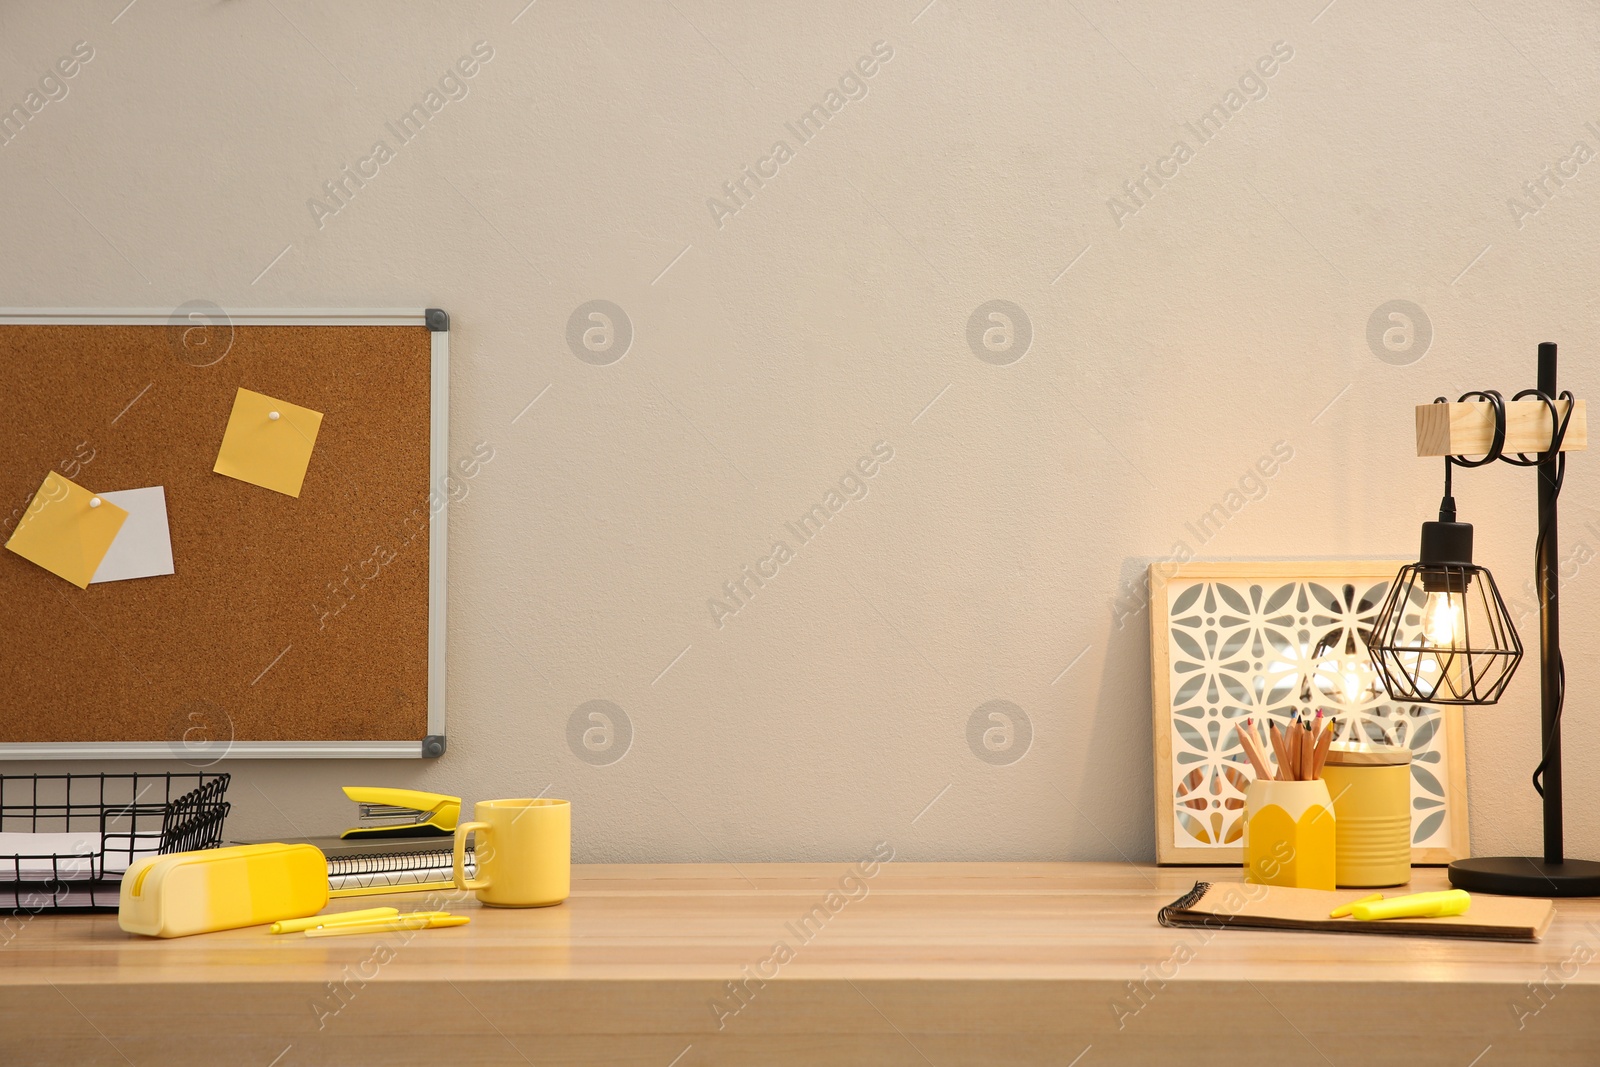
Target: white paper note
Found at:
143, 547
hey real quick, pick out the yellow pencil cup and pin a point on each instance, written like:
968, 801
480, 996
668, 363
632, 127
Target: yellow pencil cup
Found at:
1371, 788
1289, 834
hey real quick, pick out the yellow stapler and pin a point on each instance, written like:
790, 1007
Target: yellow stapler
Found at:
402, 813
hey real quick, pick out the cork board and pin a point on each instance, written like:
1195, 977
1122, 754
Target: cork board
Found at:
287, 619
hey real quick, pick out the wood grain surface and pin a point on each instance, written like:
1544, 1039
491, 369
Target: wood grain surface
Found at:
915, 964
1467, 429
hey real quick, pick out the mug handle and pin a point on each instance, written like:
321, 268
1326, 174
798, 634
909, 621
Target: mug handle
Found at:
459, 864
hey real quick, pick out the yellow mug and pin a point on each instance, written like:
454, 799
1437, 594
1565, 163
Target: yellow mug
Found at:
523, 855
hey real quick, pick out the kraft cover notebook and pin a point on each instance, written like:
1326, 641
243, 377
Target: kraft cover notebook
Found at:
1270, 907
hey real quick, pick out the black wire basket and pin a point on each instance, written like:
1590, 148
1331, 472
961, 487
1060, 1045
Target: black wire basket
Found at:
83, 830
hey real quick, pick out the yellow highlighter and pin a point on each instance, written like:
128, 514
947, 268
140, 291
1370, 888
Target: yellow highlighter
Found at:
1416, 906
294, 926
384, 926
1344, 910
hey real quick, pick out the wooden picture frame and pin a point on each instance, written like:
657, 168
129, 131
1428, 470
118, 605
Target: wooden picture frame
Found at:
1279, 637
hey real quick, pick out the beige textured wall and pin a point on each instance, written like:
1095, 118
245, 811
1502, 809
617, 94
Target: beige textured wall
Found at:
776, 345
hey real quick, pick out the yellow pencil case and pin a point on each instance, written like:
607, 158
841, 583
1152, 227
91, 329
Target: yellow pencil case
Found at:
222, 889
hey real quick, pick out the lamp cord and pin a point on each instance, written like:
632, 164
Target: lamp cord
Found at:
1560, 466
1557, 459
1492, 397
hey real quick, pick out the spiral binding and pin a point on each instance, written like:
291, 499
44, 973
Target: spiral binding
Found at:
390, 862
1183, 903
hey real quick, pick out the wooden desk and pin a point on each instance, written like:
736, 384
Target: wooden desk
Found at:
937, 964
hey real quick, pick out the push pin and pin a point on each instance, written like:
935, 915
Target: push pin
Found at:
94, 502
274, 416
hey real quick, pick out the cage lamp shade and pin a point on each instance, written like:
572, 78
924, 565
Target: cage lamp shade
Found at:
1443, 635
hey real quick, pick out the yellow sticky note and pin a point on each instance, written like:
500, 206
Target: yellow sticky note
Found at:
268, 442
67, 530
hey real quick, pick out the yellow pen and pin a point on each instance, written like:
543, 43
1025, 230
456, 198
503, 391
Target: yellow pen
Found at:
383, 926
294, 926
1344, 910
1416, 906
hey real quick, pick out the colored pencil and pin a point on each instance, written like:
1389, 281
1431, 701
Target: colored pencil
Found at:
1248, 743
1322, 752
1281, 750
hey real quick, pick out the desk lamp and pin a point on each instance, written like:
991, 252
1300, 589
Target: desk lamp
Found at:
1444, 636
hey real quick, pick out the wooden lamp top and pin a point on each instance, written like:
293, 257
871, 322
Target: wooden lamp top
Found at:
1467, 429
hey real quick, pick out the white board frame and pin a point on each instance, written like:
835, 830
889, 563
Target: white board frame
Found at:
433, 744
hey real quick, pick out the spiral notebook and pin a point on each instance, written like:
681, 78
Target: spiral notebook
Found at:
1270, 907
358, 868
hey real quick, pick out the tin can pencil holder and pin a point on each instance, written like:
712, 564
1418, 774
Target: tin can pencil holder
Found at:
1371, 788
1289, 835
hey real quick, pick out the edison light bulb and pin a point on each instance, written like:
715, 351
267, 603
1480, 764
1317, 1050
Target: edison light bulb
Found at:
1442, 633
1441, 621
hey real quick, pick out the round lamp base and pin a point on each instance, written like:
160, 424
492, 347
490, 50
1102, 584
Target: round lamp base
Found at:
1526, 876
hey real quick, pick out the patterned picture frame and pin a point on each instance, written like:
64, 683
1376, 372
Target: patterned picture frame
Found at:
1230, 641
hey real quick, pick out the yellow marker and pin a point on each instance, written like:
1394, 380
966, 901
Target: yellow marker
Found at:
294, 926
1344, 910
383, 926
1417, 906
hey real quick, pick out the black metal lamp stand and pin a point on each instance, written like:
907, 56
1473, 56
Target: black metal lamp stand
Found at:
1552, 875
